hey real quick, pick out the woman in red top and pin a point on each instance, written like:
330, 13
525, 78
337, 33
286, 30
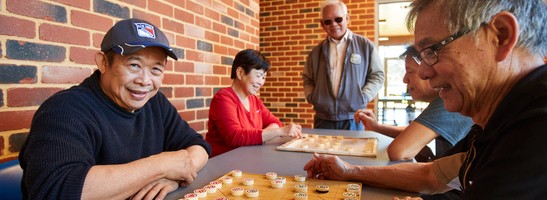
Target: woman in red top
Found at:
237, 117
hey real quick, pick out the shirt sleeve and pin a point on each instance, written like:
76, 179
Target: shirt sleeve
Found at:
451, 126
375, 76
234, 128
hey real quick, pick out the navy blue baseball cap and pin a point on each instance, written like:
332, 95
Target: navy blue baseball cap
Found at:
130, 35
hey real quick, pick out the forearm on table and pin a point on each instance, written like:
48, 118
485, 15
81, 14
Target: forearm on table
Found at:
199, 156
120, 181
412, 177
269, 134
387, 130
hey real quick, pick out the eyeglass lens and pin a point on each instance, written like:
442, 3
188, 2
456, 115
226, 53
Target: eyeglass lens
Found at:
329, 21
429, 56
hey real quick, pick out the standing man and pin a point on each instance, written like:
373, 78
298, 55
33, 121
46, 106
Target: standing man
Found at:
114, 136
343, 73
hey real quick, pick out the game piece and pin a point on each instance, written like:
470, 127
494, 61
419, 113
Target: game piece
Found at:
353, 189
201, 193
300, 178
251, 193
301, 188
191, 196
210, 189
300, 196
271, 175
248, 181
227, 180
237, 173
277, 184
322, 188
282, 179
237, 191
353, 185
349, 194
217, 184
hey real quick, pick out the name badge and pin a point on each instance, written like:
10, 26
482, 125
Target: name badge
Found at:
355, 58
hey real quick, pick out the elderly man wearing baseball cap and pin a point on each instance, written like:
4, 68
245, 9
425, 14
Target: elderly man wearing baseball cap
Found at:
114, 136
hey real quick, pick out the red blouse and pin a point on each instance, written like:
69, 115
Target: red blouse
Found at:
231, 125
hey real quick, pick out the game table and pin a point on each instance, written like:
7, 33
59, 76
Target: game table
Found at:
265, 158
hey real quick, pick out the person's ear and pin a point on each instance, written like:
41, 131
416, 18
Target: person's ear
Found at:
506, 30
101, 61
240, 73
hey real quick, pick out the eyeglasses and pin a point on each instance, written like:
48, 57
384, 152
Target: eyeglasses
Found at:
429, 54
329, 21
411, 51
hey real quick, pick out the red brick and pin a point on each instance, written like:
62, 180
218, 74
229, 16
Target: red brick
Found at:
211, 14
179, 104
173, 79
17, 27
203, 22
159, 7
220, 49
218, 27
15, 120
194, 56
83, 56
198, 125
194, 79
139, 3
83, 4
91, 21
184, 92
212, 80
64, 75
202, 114
56, 33
186, 42
212, 37
172, 25
194, 7
97, 39
21, 97
178, 3
222, 70
184, 16
184, 67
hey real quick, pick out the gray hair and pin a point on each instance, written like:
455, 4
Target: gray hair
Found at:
469, 15
334, 2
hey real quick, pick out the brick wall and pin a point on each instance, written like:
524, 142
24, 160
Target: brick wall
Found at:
288, 32
48, 45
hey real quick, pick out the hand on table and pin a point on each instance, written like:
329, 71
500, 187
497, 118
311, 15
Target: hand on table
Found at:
368, 119
157, 189
324, 166
293, 130
178, 165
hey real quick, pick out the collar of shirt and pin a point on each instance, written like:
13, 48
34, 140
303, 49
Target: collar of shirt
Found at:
344, 38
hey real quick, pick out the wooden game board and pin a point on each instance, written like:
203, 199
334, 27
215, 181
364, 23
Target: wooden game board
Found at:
266, 191
340, 145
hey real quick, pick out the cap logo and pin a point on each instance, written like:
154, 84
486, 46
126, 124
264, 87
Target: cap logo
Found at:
145, 30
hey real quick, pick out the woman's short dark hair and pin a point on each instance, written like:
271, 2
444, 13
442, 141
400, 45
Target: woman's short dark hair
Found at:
249, 59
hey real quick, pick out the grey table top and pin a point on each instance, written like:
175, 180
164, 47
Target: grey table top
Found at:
266, 158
